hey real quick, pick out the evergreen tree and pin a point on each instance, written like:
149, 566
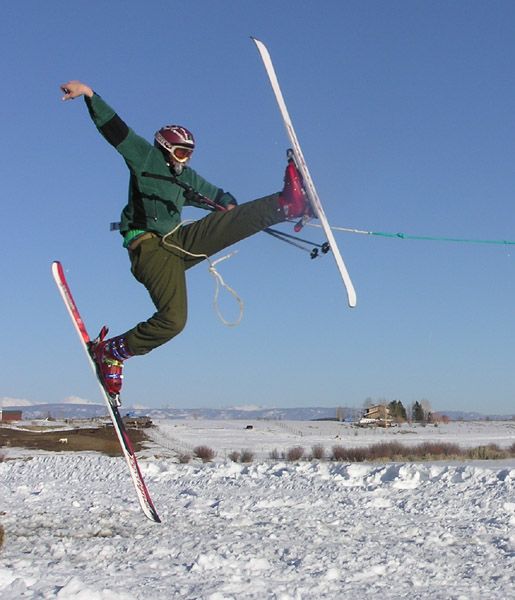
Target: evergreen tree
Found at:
417, 413
397, 410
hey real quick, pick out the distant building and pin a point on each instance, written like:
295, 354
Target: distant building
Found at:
7, 415
378, 415
137, 422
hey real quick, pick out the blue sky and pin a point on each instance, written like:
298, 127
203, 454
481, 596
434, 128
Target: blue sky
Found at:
405, 111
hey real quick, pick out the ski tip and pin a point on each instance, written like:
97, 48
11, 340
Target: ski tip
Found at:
258, 42
57, 269
151, 514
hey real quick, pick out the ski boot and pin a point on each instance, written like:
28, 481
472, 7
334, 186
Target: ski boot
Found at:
108, 356
292, 199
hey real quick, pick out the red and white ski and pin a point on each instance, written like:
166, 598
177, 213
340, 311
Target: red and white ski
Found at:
300, 162
127, 448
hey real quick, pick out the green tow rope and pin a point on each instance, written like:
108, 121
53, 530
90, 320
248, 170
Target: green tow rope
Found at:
405, 236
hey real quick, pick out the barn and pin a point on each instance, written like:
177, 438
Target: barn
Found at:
7, 414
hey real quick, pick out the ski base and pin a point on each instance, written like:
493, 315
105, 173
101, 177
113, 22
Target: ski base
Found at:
309, 186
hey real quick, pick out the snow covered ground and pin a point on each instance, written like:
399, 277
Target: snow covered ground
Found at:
273, 530
268, 435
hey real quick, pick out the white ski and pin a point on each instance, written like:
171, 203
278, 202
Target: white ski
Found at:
303, 169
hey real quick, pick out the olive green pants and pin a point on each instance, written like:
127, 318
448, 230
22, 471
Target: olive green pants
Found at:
161, 268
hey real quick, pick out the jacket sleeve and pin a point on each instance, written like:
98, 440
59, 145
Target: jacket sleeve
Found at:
200, 185
225, 198
131, 146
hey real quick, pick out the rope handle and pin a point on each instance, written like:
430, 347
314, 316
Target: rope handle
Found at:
221, 283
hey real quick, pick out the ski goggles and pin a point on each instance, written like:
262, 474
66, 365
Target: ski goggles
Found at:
181, 154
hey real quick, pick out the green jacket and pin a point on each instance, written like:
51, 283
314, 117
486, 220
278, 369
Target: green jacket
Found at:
153, 205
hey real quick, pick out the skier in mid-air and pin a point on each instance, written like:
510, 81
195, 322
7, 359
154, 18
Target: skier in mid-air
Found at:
161, 183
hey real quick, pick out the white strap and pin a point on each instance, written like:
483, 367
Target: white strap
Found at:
219, 282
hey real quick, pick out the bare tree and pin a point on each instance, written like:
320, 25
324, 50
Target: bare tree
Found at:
426, 407
368, 402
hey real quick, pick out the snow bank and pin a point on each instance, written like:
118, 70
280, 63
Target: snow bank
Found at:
280, 531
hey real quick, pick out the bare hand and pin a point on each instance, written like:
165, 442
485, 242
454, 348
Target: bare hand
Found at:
74, 89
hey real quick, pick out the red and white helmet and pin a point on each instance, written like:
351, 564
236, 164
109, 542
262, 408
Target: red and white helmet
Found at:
176, 140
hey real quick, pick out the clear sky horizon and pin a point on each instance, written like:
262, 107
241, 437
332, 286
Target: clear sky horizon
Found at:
405, 112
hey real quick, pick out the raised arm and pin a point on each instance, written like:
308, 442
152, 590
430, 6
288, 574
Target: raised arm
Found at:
132, 147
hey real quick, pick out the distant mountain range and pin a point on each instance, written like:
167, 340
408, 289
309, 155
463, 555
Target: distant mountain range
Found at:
75, 410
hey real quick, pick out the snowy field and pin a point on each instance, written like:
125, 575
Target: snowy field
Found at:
268, 435
266, 530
